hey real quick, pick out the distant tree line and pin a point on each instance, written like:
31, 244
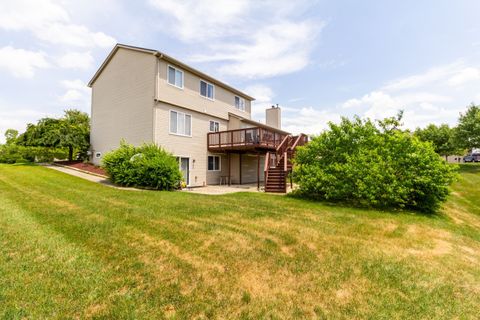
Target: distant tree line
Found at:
457, 140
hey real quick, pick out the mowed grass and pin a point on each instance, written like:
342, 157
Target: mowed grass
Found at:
70, 248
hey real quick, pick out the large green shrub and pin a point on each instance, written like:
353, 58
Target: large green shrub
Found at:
372, 164
145, 166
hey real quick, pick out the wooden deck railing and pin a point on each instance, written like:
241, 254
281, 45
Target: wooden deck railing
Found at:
248, 137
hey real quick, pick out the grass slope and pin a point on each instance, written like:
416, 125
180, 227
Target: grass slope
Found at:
74, 249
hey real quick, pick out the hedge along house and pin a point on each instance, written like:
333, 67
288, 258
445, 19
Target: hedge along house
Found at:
143, 95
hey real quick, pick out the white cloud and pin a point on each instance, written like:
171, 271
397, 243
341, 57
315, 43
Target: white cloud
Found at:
437, 95
16, 118
77, 94
432, 75
273, 50
194, 20
463, 76
295, 120
454, 74
309, 120
22, 63
76, 60
49, 22
263, 42
263, 100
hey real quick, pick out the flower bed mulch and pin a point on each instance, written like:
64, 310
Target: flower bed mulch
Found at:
83, 166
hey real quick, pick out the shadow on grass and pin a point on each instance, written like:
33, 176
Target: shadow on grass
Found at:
469, 168
359, 208
22, 164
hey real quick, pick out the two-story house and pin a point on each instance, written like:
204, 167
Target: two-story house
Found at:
143, 95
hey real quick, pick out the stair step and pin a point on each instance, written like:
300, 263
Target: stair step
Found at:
275, 191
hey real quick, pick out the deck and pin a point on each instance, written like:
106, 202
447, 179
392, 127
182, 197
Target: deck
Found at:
248, 139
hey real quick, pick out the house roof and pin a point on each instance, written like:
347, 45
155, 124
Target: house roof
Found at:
170, 59
257, 124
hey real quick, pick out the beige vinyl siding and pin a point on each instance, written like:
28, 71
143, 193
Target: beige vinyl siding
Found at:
194, 147
249, 168
189, 96
122, 101
234, 123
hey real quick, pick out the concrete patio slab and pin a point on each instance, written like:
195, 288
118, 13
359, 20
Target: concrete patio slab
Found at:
224, 189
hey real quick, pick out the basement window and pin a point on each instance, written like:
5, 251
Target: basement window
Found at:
213, 163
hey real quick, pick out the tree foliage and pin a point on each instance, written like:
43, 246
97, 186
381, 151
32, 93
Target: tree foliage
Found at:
11, 136
75, 132
72, 131
145, 166
372, 164
441, 137
468, 129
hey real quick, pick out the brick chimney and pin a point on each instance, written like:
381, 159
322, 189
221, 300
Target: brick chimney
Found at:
273, 117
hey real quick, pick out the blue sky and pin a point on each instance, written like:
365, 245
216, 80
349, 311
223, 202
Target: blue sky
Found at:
318, 60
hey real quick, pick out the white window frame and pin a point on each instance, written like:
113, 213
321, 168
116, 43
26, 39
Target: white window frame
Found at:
200, 90
168, 76
179, 161
219, 163
240, 99
210, 124
170, 123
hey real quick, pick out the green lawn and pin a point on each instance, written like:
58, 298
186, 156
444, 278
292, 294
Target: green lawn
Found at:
74, 249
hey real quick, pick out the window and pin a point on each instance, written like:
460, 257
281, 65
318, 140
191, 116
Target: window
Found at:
175, 77
180, 123
213, 163
239, 103
214, 126
206, 89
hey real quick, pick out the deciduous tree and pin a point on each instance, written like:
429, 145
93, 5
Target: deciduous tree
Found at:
441, 137
467, 133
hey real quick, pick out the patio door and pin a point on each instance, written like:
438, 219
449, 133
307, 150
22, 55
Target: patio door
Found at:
184, 164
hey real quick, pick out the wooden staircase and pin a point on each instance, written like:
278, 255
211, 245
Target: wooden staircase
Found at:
278, 165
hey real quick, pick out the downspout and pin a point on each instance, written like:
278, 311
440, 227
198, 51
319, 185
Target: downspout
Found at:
155, 92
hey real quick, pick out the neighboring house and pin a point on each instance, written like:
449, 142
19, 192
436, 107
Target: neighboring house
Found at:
142, 95
455, 159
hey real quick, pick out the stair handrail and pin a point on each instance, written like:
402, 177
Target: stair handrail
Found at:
285, 169
300, 136
282, 147
283, 142
265, 169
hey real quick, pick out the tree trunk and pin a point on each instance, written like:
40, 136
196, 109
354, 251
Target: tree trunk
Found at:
70, 153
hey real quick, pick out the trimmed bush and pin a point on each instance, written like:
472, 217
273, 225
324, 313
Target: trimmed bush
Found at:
147, 166
12, 153
371, 164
